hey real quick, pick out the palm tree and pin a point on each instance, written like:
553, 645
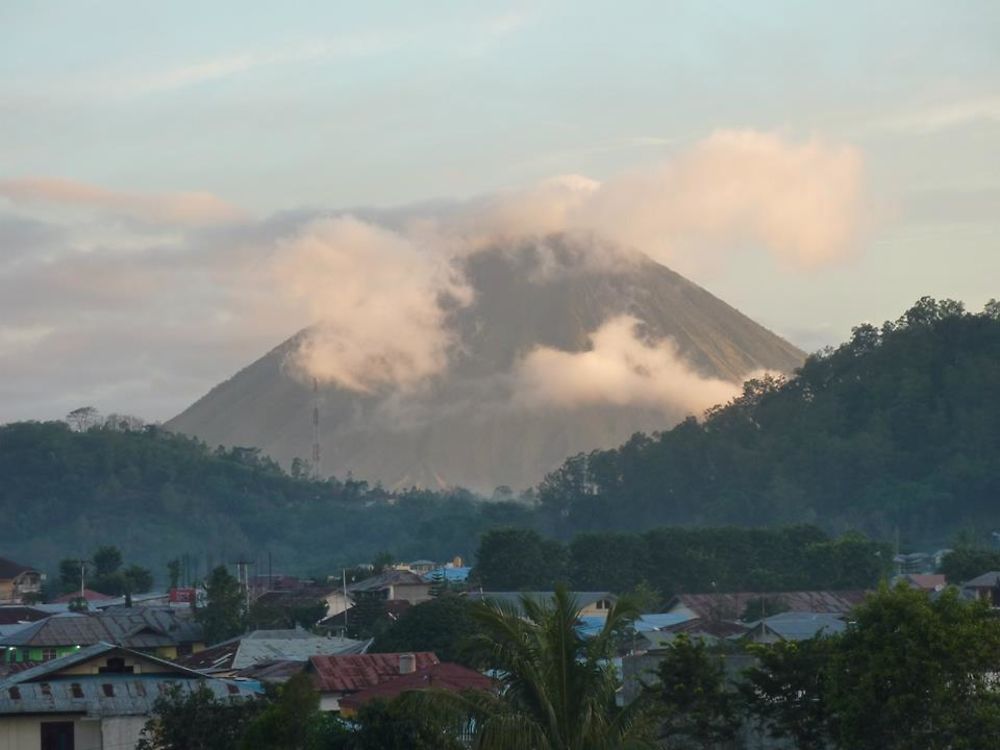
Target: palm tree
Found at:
556, 688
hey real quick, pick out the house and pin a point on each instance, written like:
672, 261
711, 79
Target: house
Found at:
390, 585
439, 676
732, 606
591, 603
336, 677
795, 626
96, 698
420, 567
985, 587
266, 646
164, 632
306, 596
18, 581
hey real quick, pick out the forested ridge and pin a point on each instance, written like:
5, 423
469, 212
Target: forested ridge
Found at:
897, 431
158, 495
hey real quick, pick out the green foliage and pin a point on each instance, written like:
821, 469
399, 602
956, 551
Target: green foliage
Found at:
557, 688
896, 429
786, 691
269, 615
965, 563
105, 574
197, 721
916, 673
517, 560
668, 561
699, 709
158, 496
289, 722
224, 613
441, 625
401, 724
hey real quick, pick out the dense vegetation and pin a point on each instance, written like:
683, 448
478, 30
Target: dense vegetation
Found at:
159, 496
668, 561
895, 434
897, 430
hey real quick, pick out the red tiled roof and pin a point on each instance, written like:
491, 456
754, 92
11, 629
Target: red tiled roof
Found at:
442, 676
348, 673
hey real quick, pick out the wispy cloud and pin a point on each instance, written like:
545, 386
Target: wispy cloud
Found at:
184, 209
942, 116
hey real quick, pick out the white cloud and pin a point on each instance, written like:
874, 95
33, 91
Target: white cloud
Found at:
621, 369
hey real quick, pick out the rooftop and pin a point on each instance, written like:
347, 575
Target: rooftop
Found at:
350, 673
440, 676
10, 569
731, 606
264, 646
141, 627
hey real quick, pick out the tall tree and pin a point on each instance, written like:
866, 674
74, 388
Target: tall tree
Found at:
224, 613
785, 691
699, 708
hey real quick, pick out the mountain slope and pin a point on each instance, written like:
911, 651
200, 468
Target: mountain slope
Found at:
461, 431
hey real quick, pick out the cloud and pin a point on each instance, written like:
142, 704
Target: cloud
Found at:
943, 116
185, 209
802, 202
379, 303
620, 369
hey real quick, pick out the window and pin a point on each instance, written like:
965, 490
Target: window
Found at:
48, 653
57, 735
115, 665
109, 690
603, 604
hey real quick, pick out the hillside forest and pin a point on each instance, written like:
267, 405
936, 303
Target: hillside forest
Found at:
892, 436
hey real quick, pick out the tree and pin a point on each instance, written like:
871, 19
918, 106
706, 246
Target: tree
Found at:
916, 673
402, 724
557, 688
785, 691
289, 723
965, 563
83, 419
224, 613
699, 709
197, 720
107, 561
174, 572
441, 625
518, 559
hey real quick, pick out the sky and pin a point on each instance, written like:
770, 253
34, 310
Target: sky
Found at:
162, 164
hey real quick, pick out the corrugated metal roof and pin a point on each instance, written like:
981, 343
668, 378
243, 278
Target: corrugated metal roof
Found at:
140, 627
731, 606
800, 626
353, 672
386, 579
10, 569
986, 580
243, 652
106, 695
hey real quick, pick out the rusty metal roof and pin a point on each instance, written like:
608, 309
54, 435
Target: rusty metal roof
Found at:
442, 676
732, 606
352, 672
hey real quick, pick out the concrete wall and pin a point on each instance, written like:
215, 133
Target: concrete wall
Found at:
120, 732
24, 732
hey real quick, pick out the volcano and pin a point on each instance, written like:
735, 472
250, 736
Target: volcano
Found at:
460, 430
